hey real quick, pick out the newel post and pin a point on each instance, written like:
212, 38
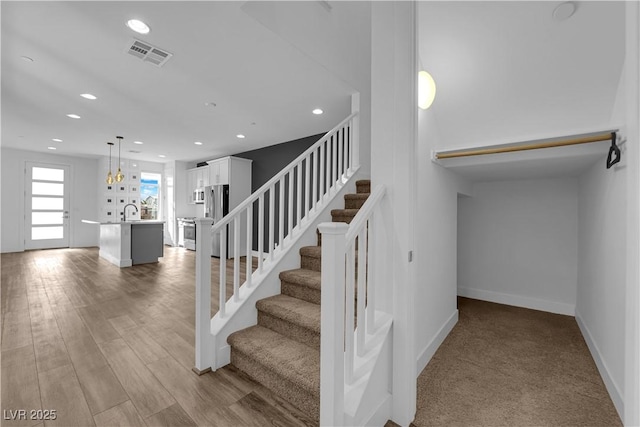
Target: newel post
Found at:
332, 323
355, 107
204, 339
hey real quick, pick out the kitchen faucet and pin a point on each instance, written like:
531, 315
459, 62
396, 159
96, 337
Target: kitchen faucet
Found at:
124, 211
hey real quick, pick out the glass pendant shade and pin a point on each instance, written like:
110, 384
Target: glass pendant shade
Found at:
119, 174
109, 175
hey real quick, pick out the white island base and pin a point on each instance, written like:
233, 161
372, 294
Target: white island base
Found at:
133, 242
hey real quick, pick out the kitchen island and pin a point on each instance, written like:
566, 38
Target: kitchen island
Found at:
131, 242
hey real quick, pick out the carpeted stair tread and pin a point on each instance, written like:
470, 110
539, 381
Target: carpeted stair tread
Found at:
344, 212
363, 186
298, 363
311, 251
343, 215
292, 310
310, 257
301, 283
355, 201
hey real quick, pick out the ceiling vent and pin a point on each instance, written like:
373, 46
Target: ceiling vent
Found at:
148, 53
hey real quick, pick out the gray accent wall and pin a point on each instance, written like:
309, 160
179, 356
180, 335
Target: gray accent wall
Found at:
267, 162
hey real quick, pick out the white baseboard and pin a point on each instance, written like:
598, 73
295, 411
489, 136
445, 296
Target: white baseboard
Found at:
518, 301
612, 387
430, 349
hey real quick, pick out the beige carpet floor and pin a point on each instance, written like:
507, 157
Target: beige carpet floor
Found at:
509, 366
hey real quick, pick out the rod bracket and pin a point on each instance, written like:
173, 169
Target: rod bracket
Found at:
614, 152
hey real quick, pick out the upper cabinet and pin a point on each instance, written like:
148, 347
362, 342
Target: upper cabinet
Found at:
219, 171
233, 171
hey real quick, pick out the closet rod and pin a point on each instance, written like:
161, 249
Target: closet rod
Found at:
533, 146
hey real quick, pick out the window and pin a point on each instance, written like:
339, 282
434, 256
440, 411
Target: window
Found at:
149, 195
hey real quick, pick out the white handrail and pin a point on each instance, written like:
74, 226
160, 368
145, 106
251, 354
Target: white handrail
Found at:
265, 187
341, 307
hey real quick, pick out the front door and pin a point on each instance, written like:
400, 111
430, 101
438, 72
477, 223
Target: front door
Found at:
46, 206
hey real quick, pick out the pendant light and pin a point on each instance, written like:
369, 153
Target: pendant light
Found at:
119, 175
109, 176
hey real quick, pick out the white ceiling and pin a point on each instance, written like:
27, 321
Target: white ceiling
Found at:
507, 71
220, 55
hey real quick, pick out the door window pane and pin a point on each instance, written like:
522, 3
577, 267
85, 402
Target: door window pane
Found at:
43, 233
43, 218
47, 203
47, 174
149, 195
47, 189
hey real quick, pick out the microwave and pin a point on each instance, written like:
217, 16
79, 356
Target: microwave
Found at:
198, 195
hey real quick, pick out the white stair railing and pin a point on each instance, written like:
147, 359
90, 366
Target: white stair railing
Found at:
347, 284
299, 191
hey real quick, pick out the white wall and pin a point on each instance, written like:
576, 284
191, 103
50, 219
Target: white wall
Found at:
435, 253
83, 197
600, 303
518, 243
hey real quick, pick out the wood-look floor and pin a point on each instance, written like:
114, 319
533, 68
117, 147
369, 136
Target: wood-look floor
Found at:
105, 346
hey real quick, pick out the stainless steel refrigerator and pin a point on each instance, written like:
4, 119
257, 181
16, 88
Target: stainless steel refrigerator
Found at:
216, 205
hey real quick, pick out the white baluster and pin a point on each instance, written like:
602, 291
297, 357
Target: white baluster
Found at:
260, 232
371, 280
204, 341
307, 171
272, 222
281, 213
249, 258
349, 313
223, 271
315, 179
334, 160
322, 172
290, 205
332, 323
340, 144
299, 195
362, 288
236, 258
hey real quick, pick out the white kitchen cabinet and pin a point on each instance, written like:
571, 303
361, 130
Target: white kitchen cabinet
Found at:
235, 172
219, 171
196, 178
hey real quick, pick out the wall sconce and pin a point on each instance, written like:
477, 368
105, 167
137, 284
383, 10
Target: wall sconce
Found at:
426, 90
109, 176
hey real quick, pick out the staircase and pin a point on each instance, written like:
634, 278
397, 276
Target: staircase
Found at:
282, 351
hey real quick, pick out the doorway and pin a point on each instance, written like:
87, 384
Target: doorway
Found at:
46, 206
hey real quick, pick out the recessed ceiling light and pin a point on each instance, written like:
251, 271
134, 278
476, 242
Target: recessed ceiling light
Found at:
564, 11
317, 111
52, 148
162, 155
73, 116
240, 136
138, 142
135, 165
88, 96
57, 140
138, 26
26, 58
198, 143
